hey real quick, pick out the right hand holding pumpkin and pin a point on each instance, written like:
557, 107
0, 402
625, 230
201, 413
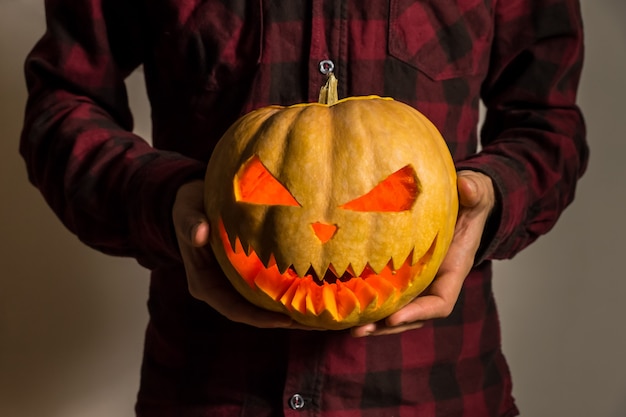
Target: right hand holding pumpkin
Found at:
476, 199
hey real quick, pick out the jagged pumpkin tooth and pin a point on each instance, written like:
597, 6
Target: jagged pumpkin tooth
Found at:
401, 257
357, 267
329, 297
248, 266
287, 297
400, 274
384, 289
363, 291
340, 267
401, 279
236, 246
298, 302
426, 257
347, 301
271, 261
314, 300
301, 267
376, 266
272, 283
320, 272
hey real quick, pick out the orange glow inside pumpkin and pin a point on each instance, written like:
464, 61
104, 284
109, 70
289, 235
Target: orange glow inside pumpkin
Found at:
397, 192
256, 185
324, 231
313, 294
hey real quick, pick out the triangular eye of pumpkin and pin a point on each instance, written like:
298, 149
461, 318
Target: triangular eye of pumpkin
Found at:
254, 184
395, 193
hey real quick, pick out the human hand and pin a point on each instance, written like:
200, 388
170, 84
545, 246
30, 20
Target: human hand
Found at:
205, 280
476, 200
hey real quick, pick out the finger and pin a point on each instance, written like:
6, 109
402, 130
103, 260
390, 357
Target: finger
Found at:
204, 279
437, 302
387, 330
364, 330
439, 299
236, 308
468, 187
475, 190
223, 298
193, 226
188, 211
380, 329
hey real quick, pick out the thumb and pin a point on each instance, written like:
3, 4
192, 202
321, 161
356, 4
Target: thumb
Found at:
200, 233
190, 221
470, 188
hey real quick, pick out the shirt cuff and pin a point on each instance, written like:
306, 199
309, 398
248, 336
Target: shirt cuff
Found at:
153, 194
511, 202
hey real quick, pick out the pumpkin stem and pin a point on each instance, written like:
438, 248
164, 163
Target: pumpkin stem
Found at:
328, 92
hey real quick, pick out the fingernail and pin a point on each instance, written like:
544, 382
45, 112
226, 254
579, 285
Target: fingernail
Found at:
367, 330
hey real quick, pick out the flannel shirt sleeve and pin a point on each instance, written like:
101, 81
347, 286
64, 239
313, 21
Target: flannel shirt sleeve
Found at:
533, 138
107, 185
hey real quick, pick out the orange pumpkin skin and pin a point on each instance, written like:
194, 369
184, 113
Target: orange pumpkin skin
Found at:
336, 215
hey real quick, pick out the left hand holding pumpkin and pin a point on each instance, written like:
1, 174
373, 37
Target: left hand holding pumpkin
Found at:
205, 284
476, 200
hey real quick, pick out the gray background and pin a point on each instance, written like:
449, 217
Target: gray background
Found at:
72, 320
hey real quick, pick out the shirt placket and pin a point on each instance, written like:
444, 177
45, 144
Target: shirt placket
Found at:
328, 39
302, 395
305, 376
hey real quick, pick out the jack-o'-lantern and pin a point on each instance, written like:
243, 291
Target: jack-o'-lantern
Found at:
336, 214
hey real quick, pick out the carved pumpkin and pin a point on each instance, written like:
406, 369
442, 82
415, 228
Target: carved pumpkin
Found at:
335, 214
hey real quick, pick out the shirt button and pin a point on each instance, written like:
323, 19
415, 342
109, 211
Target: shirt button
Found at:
296, 402
326, 66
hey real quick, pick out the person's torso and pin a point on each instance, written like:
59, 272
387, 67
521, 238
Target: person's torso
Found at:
209, 62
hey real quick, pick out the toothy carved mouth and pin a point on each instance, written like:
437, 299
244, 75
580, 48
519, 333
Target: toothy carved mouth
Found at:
299, 293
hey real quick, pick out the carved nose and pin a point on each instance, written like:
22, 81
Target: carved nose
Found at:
324, 231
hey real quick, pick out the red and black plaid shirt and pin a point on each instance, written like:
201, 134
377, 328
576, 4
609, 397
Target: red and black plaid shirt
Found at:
208, 62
